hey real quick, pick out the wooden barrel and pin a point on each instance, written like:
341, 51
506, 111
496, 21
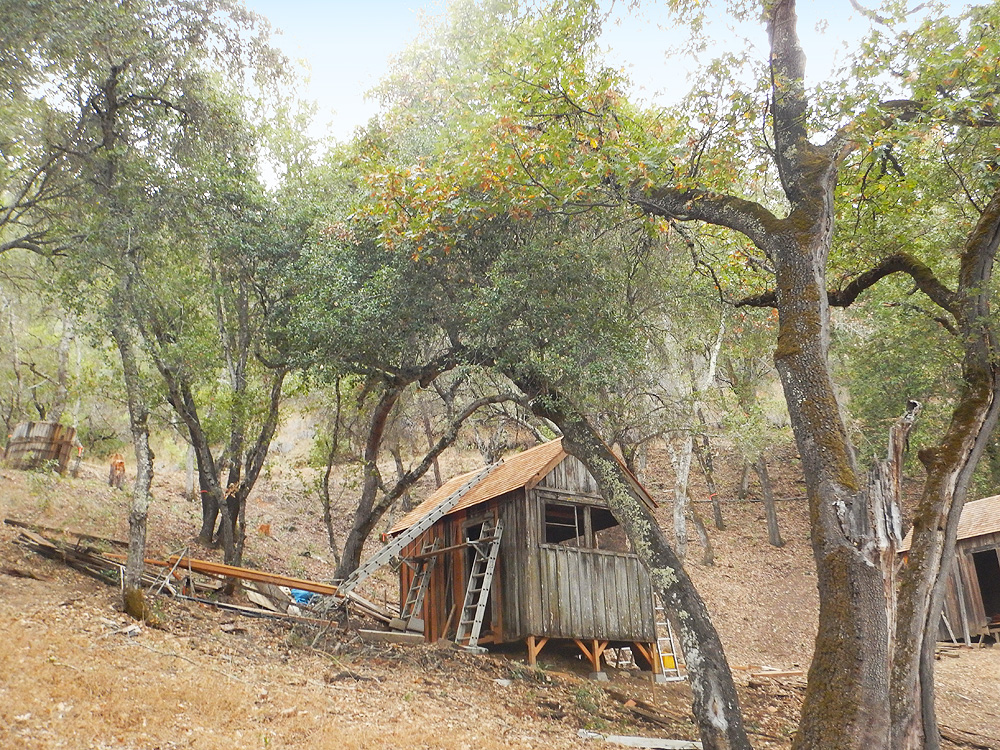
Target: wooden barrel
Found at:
36, 445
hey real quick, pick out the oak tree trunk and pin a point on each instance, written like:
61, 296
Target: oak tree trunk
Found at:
365, 516
703, 452
949, 471
680, 458
770, 508
134, 600
708, 553
744, 491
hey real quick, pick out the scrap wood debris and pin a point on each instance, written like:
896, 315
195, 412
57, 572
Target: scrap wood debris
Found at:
660, 715
79, 535
108, 567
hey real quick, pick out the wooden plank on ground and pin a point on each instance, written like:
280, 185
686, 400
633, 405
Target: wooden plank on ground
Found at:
254, 612
652, 743
261, 601
204, 567
391, 636
207, 567
66, 532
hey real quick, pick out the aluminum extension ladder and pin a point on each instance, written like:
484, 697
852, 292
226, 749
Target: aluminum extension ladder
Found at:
398, 542
410, 613
667, 651
485, 550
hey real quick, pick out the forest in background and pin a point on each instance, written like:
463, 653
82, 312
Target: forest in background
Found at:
513, 250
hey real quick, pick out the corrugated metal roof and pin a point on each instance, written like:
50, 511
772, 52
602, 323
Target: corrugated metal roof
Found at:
516, 471
978, 517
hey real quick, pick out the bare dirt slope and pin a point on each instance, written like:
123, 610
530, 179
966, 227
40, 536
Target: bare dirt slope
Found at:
73, 676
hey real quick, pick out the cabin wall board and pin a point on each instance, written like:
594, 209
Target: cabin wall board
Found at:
571, 475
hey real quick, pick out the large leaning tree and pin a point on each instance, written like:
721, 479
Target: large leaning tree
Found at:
449, 194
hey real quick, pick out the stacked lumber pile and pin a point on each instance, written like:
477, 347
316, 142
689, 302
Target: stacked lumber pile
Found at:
185, 577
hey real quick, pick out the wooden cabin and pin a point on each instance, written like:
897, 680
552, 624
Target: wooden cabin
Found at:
563, 570
972, 596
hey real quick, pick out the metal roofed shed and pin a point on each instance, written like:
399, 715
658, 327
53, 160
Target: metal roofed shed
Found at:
528, 552
972, 594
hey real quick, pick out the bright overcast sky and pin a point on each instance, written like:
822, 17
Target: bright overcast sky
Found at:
347, 45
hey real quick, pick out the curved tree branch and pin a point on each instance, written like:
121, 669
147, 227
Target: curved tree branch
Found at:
922, 275
747, 217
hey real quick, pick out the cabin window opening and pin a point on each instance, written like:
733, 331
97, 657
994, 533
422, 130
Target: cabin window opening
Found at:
566, 525
608, 535
988, 573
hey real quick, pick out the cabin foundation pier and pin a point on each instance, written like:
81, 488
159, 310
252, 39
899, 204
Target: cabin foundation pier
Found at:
593, 654
648, 652
535, 646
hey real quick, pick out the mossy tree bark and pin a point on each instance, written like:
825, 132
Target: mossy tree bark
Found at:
117, 229
949, 470
133, 594
847, 699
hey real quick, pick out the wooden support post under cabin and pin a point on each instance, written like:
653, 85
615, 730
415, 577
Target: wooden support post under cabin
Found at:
594, 654
649, 653
535, 646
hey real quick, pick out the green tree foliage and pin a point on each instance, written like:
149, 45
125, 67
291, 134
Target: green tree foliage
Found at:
466, 245
132, 155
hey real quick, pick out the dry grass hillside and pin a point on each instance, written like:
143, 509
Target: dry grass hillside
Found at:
74, 675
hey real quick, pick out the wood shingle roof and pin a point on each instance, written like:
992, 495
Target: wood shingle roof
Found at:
520, 470
978, 518
525, 469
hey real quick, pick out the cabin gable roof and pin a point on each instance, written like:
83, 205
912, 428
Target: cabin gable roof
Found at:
525, 469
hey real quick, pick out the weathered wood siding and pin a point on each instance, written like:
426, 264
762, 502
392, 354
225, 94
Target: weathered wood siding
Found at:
437, 600
963, 600
36, 445
570, 475
568, 592
541, 589
516, 573
587, 593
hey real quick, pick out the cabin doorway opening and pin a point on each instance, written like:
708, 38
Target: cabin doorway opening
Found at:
988, 573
